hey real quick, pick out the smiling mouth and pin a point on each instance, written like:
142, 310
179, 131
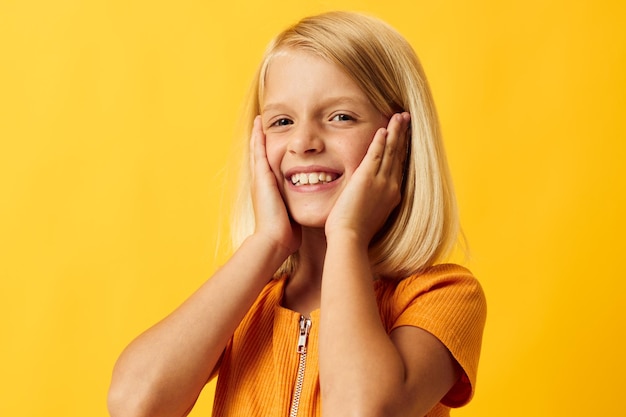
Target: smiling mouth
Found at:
306, 178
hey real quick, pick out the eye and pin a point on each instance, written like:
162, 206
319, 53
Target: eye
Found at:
282, 122
342, 118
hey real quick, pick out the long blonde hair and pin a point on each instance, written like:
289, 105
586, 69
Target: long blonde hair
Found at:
424, 227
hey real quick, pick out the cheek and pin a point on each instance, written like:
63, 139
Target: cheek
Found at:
356, 149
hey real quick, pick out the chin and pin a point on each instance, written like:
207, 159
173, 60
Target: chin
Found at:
312, 213
310, 221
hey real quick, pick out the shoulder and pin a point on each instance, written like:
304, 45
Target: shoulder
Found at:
441, 286
448, 302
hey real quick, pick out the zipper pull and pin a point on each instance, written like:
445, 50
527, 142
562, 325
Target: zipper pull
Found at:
305, 327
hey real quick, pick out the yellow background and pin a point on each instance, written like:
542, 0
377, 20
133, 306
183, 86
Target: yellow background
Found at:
116, 120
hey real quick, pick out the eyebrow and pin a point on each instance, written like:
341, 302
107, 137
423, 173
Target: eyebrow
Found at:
327, 102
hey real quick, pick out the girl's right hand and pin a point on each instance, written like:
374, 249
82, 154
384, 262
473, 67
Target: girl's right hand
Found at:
272, 220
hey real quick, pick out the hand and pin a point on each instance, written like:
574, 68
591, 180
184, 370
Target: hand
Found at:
270, 213
375, 187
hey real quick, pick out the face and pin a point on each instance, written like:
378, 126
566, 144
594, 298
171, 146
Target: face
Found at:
318, 126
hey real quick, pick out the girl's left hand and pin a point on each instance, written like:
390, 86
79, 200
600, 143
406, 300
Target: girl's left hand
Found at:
375, 187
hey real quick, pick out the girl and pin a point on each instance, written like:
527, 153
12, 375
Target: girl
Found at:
333, 304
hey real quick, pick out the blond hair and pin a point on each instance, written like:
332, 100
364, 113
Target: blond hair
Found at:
424, 227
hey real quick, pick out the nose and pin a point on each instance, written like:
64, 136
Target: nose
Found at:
306, 138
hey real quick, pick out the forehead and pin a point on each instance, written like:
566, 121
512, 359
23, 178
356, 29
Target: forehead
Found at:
291, 74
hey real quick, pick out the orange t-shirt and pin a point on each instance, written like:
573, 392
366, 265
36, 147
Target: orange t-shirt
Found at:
258, 372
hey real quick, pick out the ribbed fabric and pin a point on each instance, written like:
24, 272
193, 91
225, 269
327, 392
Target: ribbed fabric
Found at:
258, 370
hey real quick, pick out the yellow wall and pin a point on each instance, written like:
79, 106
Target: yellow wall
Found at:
115, 127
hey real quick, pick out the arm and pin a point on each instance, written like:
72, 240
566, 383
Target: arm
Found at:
364, 371
162, 372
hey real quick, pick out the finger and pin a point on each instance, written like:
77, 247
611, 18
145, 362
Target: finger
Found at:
395, 149
375, 152
390, 153
403, 145
258, 158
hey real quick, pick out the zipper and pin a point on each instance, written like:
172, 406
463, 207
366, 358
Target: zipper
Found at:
305, 327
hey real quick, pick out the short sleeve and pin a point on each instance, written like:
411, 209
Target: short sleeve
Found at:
448, 302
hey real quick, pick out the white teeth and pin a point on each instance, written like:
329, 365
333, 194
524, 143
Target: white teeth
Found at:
311, 178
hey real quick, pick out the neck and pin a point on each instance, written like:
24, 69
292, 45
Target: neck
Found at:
303, 290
